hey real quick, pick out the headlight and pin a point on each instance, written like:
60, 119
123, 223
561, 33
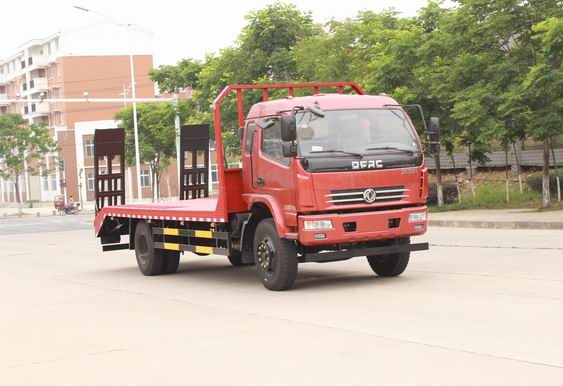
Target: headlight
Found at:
417, 217
316, 225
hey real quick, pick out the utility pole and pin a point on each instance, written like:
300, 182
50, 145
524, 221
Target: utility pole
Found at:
178, 130
129, 26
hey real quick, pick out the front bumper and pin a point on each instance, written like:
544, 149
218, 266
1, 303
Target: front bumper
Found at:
368, 226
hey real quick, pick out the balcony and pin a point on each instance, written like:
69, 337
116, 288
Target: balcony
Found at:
38, 84
37, 109
36, 61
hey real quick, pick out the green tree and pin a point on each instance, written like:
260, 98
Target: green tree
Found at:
157, 136
22, 143
260, 54
173, 78
542, 87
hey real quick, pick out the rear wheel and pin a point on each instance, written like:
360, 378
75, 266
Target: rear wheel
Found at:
149, 259
393, 264
275, 258
171, 261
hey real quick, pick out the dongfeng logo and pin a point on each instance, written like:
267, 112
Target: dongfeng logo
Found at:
369, 195
371, 164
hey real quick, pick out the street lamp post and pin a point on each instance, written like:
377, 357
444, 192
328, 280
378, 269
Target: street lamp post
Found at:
133, 93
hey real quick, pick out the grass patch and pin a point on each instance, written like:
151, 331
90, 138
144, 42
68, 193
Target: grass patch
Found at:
492, 195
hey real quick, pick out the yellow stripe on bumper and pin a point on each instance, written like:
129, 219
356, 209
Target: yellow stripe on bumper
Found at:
200, 249
170, 231
204, 234
172, 246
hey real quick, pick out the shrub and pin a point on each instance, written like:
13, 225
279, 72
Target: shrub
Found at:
449, 191
535, 181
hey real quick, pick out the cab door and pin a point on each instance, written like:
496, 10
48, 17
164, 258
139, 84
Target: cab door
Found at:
272, 173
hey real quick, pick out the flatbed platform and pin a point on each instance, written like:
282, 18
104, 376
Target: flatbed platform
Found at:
199, 209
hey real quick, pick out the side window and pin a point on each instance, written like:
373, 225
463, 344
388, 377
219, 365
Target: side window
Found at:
272, 143
249, 134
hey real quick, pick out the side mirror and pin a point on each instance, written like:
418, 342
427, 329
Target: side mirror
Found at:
288, 128
289, 150
434, 135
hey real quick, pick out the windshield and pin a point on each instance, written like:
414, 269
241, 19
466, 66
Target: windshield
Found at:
355, 132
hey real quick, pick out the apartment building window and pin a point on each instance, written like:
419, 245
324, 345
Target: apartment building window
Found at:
145, 179
8, 186
90, 181
58, 118
57, 69
50, 182
23, 184
214, 174
30, 60
23, 64
89, 145
49, 73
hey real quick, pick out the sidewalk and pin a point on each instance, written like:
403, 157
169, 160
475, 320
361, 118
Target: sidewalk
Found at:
498, 219
41, 211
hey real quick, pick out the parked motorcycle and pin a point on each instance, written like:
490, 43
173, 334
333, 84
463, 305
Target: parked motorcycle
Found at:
63, 208
73, 208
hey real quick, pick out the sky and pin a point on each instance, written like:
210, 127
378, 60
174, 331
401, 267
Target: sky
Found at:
181, 28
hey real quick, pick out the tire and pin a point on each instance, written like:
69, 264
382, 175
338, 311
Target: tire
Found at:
149, 259
236, 260
275, 258
393, 264
171, 260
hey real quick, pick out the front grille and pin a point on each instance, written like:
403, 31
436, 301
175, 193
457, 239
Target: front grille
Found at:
356, 196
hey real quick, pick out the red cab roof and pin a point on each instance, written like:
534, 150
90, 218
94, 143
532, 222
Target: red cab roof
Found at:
325, 101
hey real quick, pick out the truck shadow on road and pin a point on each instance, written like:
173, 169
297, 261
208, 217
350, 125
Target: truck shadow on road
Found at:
309, 277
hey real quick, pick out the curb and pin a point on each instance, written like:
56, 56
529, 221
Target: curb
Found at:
497, 224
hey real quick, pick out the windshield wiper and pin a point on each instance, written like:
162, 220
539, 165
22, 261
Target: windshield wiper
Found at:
336, 151
409, 151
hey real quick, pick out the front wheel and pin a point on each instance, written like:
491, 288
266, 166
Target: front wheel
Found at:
275, 258
393, 264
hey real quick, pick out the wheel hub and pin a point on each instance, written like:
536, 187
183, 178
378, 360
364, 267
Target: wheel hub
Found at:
265, 254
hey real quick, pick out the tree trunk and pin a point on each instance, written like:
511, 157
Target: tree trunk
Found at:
471, 175
546, 193
518, 167
439, 193
507, 174
157, 176
556, 173
17, 193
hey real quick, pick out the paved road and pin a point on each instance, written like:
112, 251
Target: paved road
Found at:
29, 224
481, 307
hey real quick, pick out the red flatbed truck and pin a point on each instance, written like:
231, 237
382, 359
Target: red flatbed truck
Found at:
324, 177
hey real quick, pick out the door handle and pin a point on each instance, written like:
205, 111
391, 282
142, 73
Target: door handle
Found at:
260, 181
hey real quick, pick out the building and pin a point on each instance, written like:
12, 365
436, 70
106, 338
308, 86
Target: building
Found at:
92, 60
